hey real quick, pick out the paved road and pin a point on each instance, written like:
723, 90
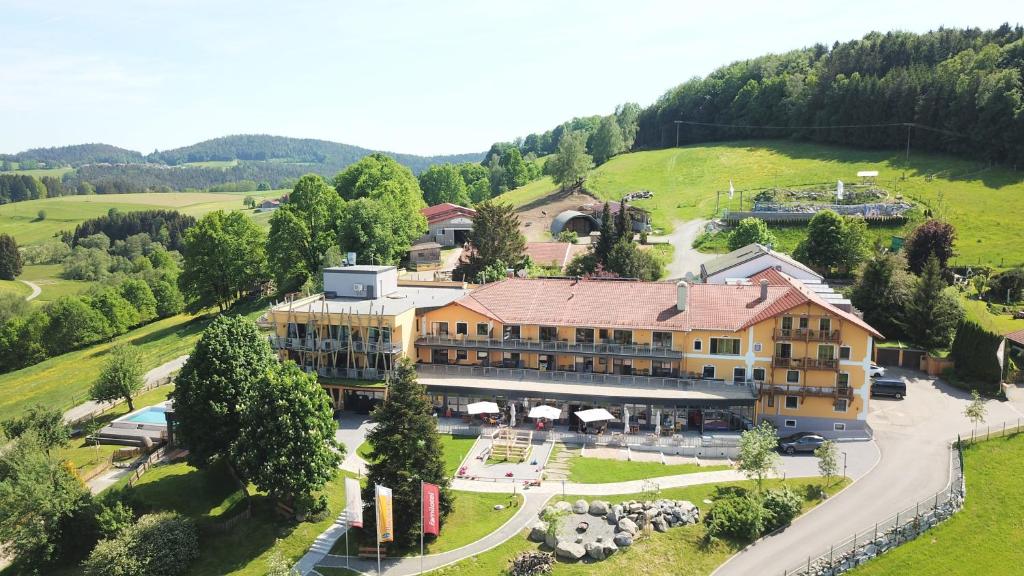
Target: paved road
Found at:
162, 371
913, 436
686, 258
36, 290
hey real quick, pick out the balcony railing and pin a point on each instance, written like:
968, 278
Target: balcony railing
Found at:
797, 390
333, 345
807, 334
805, 363
349, 373
582, 348
747, 386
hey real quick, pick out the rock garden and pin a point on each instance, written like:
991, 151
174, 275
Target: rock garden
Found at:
597, 530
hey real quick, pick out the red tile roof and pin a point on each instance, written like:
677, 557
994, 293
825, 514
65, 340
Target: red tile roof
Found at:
633, 304
445, 211
553, 253
1016, 337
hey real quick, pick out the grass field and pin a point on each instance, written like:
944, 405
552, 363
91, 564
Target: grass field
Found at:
999, 323
982, 202
455, 450
51, 285
678, 551
40, 172
20, 218
14, 287
529, 192
212, 164
983, 538
588, 470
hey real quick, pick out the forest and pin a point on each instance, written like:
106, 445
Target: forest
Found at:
957, 91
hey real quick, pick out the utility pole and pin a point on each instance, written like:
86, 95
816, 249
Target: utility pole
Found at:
677, 122
907, 163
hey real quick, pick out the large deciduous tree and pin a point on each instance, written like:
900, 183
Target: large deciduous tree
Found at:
495, 238
570, 163
406, 451
225, 256
933, 312
231, 356
750, 231
10, 258
47, 424
933, 237
302, 231
121, 377
286, 443
833, 243
444, 183
607, 141
71, 323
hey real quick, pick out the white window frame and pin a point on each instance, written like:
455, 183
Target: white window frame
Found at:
839, 426
698, 345
714, 371
796, 402
487, 329
757, 347
465, 328
849, 352
461, 352
764, 374
789, 423
788, 372
739, 346
735, 368
835, 350
846, 405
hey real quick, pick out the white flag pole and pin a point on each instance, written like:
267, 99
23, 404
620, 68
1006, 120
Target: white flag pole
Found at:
348, 528
376, 515
422, 527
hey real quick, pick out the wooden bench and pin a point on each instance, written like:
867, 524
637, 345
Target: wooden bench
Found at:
371, 552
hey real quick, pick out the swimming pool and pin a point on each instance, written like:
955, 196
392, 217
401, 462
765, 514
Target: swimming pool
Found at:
148, 415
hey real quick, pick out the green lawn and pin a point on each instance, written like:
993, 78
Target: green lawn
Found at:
52, 286
978, 311
982, 202
678, 551
40, 172
212, 164
472, 518
983, 538
529, 192
455, 450
20, 218
14, 287
588, 470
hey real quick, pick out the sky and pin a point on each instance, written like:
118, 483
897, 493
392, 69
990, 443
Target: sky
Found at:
433, 77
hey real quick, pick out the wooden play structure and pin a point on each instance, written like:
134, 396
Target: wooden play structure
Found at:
511, 444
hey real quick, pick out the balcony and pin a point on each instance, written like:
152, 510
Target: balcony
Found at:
348, 373
796, 390
589, 378
557, 346
807, 335
333, 345
806, 363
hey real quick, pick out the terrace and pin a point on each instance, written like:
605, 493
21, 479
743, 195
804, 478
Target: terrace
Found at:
564, 346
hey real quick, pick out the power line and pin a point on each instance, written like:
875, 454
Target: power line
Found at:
827, 127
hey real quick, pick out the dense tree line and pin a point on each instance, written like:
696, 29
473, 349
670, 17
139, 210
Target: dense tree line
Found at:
20, 187
964, 82
76, 155
164, 226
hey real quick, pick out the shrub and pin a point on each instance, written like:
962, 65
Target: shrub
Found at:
157, 545
568, 236
41, 215
531, 564
113, 558
780, 507
974, 354
739, 517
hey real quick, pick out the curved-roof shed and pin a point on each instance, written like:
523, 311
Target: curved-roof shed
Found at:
576, 221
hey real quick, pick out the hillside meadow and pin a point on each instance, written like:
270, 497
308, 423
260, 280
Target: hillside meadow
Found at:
982, 202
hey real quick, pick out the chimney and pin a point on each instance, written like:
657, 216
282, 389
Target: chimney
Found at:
682, 291
764, 290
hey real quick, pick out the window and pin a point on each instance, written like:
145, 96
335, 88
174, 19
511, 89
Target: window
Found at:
697, 345
790, 424
771, 400
792, 402
757, 347
439, 328
662, 339
482, 355
482, 329
839, 427
623, 336
739, 374
787, 322
725, 346
510, 333
461, 328
584, 335
826, 352
783, 350
375, 335
793, 376
461, 354
844, 352
548, 333
840, 405
759, 374
843, 380
709, 372
804, 322
825, 325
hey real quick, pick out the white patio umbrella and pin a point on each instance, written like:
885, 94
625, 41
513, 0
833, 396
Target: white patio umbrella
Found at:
594, 415
625, 420
512, 414
482, 408
657, 422
549, 412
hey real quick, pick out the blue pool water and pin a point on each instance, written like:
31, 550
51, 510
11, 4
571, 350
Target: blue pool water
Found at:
149, 415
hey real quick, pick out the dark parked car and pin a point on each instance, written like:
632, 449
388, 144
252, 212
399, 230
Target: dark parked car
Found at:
800, 442
895, 388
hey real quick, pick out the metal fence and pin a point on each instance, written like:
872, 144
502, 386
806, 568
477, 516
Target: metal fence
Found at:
909, 523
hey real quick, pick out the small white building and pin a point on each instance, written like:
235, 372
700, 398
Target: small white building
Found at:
751, 259
448, 224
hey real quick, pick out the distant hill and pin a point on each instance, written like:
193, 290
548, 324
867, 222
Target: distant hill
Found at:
252, 159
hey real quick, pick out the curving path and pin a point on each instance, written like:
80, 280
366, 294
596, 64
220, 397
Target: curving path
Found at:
36, 290
686, 258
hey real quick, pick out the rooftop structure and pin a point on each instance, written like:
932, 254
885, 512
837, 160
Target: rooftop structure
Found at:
553, 254
750, 259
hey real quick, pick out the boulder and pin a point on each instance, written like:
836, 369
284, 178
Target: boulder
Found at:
551, 541
598, 508
623, 539
686, 506
651, 513
563, 507
595, 550
628, 526
570, 550
580, 507
545, 511
635, 507
539, 531
609, 548
660, 524
615, 513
